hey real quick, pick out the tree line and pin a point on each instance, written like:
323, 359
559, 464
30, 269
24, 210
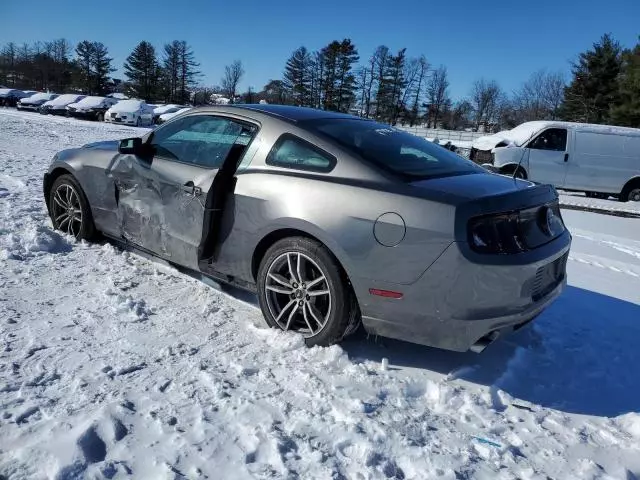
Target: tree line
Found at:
386, 85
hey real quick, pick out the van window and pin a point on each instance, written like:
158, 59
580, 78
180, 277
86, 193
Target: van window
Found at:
552, 139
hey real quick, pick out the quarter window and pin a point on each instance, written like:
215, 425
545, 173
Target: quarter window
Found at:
200, 140
293, 152
552, 139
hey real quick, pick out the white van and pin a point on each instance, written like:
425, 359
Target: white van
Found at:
600, 160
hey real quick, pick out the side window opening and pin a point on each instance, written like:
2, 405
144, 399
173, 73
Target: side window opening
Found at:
554, 139
201, 140
295, 153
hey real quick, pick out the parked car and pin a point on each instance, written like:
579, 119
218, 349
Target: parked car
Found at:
331, 218
10, 96
600, 160
130, 112
164, 109
165, 117
35, 101
118, 96
91, 108
58, 106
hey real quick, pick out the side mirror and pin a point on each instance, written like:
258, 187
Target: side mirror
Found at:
131, 146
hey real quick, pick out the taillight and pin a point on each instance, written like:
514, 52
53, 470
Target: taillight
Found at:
496, 234
516, 232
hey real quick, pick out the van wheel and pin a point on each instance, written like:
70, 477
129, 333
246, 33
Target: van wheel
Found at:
631, 192
634, 195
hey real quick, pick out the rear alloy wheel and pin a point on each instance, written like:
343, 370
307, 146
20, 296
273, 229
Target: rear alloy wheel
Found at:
302, 288
69, 208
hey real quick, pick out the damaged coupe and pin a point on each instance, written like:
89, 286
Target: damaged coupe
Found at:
334, 221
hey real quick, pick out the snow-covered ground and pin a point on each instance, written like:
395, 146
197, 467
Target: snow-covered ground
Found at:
116, 366
580, 200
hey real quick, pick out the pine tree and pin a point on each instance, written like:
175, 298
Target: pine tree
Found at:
84, 63
297, 77
391, 86
188, 71
171, 70
627, 111
594, 88
329, 55
178, 71
101, 67
8, 64
338, 81
142, 70
346, 81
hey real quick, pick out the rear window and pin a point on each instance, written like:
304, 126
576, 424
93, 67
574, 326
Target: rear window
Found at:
392, 149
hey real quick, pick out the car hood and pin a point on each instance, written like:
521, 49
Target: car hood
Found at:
33, 102
104, 145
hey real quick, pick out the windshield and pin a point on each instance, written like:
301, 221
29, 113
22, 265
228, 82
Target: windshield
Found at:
64, 99
90, 102
392, 149
40, 96
127, 106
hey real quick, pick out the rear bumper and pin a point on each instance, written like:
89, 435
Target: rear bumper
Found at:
456, 303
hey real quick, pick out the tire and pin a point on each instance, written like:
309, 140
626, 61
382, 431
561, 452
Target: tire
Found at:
100, 117
521, 174
138, 122
338, 308
59, 198
631, 192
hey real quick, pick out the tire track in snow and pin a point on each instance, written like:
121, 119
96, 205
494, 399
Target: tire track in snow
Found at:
597, 264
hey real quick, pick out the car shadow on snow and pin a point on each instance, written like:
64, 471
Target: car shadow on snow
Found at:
580, 356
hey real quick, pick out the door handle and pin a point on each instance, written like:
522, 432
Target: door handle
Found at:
191, 189
566, 157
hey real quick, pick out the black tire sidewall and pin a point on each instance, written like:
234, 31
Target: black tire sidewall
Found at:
341, 302
88, 230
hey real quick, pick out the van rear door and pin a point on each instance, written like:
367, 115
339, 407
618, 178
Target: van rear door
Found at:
549, 156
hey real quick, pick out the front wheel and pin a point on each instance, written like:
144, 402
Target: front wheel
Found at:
69, 208
100, 117
302, 288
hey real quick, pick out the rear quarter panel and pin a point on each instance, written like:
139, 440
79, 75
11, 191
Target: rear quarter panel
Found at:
339, 213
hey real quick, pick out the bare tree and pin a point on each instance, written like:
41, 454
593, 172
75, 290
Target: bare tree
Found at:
232, 75
437, 95
418, 91
555, 85
485, 99
539, 97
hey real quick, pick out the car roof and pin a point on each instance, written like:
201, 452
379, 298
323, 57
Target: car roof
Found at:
285, 112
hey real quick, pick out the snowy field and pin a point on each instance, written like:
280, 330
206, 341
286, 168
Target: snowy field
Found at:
115, 366
580, 200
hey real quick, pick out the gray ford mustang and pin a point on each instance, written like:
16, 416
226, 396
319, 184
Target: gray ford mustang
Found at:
333, 220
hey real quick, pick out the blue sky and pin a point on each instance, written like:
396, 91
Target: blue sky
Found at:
505, 41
